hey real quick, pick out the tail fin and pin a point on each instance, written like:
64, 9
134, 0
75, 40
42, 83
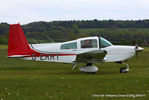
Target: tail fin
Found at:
17, 45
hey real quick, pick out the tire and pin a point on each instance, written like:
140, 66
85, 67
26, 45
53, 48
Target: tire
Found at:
91, 72
123, 70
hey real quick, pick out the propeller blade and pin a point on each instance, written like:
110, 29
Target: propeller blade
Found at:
137, 50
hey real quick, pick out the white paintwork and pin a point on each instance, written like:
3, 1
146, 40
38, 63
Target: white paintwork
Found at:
46, 47
61, 59
54, 48
17, 56
115, 53
118, 53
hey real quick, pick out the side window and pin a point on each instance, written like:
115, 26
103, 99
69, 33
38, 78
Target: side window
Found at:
91, 43
72, 45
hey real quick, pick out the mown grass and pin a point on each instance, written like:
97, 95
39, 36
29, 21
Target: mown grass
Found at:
29, 80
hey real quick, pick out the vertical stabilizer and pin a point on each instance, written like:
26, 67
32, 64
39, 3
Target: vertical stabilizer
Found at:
17, 45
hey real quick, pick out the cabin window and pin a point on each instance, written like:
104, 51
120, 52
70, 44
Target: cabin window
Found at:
90, 43
104, 43
72, 45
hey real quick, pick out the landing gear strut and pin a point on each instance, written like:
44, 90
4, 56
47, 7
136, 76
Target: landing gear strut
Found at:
124, 69
89, 68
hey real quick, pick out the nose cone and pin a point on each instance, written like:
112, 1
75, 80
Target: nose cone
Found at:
139, 49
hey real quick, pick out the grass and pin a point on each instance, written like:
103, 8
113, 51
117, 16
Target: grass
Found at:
29, 80
3, 46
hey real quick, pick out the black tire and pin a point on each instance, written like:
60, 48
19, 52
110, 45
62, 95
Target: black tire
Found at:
123, 70
91, 72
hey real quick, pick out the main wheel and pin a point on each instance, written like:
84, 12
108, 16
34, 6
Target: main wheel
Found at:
123, 70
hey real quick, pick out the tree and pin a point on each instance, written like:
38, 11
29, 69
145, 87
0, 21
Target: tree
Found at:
75, 29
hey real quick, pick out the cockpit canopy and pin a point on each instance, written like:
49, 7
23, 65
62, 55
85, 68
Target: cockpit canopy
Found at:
92, 43
87, 43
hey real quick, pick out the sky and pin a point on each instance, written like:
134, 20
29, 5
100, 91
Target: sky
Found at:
27, 11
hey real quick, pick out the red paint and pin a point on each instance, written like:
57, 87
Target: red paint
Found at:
37, 54
17, 44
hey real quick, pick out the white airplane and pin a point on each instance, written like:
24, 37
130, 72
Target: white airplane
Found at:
88, 50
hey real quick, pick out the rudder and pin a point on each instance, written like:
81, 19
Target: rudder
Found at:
17, 44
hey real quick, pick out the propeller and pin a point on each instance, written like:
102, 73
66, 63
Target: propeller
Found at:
137, 50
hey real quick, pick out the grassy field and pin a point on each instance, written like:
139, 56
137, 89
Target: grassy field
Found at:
28, 80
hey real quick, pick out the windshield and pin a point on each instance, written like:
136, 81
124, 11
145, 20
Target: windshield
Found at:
104, 43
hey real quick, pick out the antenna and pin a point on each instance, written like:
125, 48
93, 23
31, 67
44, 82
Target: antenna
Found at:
50, 39
35, 41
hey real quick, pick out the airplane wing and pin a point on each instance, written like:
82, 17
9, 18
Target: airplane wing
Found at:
91, 56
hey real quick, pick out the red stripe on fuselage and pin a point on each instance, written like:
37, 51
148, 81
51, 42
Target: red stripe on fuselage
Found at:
41, 55
38, 54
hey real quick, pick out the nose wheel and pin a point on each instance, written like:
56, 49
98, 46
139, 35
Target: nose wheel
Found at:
124, 69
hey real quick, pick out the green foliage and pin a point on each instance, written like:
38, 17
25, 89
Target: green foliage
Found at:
117, 31
4, 27
120, 35
75, 29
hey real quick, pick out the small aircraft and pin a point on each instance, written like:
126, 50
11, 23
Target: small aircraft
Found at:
88, 50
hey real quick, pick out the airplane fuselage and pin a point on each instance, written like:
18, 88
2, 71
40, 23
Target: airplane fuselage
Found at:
53, 52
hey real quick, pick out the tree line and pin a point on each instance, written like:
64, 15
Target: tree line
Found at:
117, 31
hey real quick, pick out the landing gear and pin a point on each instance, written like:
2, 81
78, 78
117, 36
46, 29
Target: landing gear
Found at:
89, 68
124, 69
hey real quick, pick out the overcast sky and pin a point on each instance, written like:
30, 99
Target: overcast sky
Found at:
26, 11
